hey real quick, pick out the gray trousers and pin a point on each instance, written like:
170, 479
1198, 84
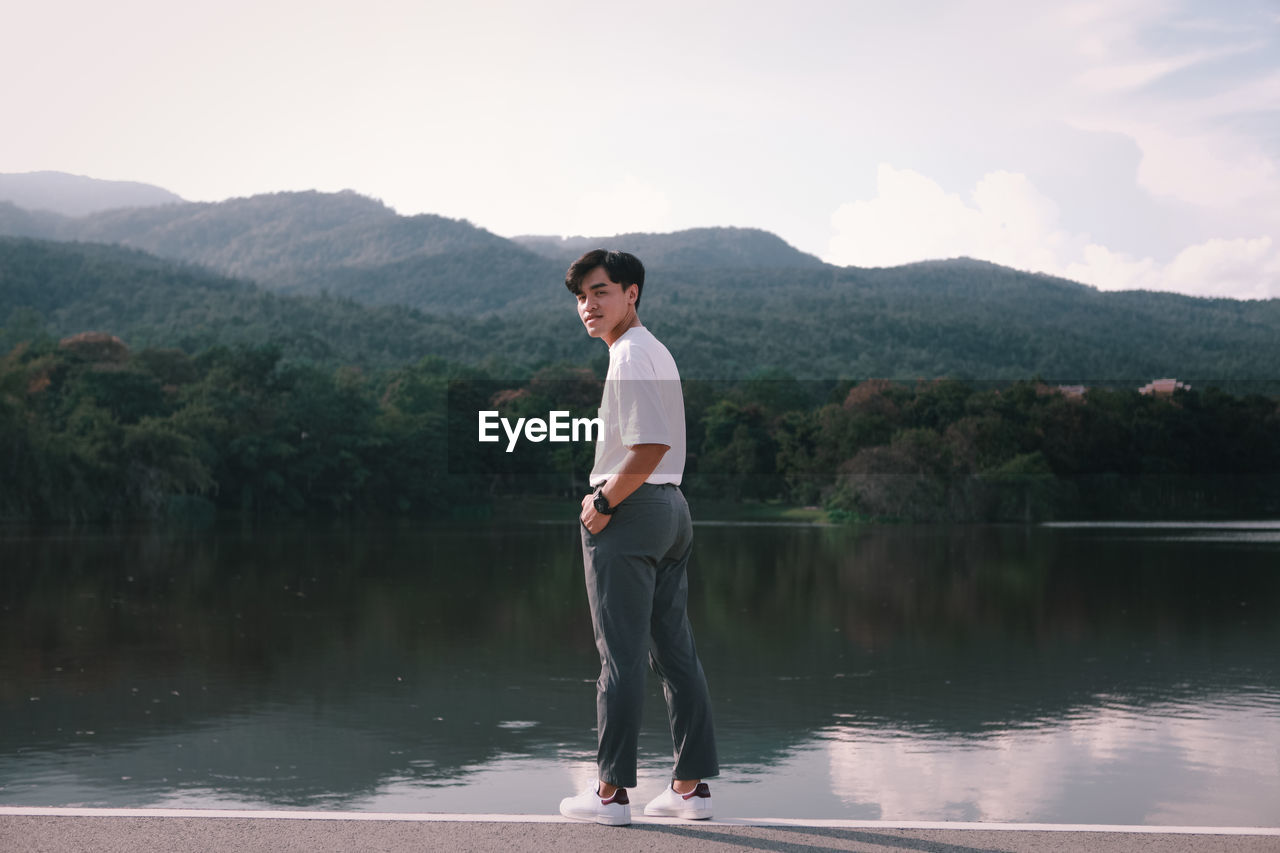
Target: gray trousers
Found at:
639, 590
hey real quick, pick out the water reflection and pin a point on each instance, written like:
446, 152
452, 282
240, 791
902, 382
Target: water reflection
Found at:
1248, 532
1169, 764
985, 673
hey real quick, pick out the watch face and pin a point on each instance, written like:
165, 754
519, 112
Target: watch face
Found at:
602, 504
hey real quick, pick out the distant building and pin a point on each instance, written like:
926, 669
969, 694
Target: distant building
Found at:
1072, 390
1163, 386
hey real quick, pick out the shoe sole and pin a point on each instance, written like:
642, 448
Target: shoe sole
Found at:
612, 821
676, 813
606, 820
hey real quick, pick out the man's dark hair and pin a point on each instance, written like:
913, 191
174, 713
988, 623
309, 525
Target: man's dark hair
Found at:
622, 267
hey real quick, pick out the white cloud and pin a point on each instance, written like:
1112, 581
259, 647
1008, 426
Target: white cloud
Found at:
1108, 270
1206, 168
1120, 77
1242, 268
912, 218
1166, 752
1247, 269
1187, 105
1008, 221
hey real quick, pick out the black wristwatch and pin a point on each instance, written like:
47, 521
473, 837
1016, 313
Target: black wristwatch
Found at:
602, 503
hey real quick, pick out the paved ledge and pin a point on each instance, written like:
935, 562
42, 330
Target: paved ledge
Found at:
71, 830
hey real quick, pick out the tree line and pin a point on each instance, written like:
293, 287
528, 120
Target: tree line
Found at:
91, 429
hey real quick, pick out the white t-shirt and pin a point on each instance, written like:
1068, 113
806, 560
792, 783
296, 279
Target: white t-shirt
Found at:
642, 404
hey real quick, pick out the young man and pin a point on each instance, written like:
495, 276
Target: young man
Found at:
636, 539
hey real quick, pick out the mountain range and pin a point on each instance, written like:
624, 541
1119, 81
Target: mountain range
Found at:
301, 267
76, 195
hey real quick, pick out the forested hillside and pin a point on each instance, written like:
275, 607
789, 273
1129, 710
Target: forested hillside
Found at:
338, 243
60, 289
959, 319
19, 222
132, 385
730, 301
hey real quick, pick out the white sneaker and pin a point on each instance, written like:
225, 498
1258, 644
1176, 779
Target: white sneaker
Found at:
695, 805
589, 805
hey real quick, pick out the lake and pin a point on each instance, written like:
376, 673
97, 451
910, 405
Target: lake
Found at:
1073, 673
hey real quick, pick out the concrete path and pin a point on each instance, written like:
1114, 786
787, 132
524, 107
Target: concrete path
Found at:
30, 830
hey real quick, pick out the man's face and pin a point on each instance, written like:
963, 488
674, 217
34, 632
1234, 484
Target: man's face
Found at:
603, 305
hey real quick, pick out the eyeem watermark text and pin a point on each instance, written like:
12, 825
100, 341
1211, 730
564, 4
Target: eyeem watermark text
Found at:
558, 427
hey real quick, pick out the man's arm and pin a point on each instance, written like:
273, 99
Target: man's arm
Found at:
641, 461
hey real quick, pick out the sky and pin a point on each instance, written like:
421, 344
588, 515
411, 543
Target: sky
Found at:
1124, 144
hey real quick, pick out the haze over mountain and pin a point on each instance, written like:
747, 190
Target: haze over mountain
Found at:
310, 242
731, 300
77, 195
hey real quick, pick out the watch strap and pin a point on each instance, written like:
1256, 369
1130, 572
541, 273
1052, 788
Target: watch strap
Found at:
602, 503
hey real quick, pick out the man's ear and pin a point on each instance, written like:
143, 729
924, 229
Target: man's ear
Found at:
632, 293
